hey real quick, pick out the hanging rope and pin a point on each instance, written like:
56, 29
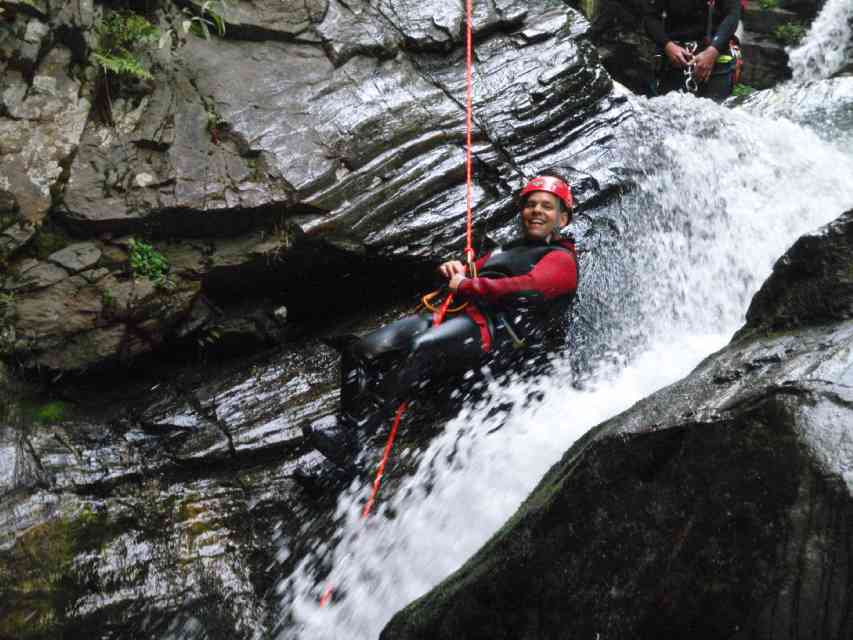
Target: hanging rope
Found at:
381, 469
441, 311
469, 92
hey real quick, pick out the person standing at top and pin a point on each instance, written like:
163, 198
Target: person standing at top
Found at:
517, 298
693, 39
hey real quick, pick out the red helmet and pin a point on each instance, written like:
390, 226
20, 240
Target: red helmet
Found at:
551, 185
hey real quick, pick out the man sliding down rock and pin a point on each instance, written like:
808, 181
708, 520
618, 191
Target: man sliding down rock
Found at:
518, 297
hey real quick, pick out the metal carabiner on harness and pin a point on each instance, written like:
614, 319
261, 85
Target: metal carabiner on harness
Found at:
689, 80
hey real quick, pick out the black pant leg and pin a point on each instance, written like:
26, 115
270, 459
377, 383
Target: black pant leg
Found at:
368, 365
452, 347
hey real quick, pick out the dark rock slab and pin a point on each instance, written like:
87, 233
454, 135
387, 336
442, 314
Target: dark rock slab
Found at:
764, 21
720, 506
265, 19
765, 61
76, 257
811, 284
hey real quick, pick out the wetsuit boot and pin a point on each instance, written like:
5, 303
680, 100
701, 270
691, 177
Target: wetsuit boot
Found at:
336, 439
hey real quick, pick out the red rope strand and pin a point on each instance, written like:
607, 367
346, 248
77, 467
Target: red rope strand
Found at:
387, 453
469, 91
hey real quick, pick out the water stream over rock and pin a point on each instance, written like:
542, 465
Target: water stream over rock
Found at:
720, 194
166, 506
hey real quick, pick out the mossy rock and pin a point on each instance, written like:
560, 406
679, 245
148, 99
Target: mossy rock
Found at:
38, 578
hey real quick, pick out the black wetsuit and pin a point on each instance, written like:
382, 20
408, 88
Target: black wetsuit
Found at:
527, 285
683, 21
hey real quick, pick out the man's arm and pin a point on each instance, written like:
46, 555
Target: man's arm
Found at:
553, 276
653, 22
730, 10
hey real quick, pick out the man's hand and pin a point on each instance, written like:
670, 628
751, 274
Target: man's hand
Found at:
704, 62
451, 268
678, 56
453, 285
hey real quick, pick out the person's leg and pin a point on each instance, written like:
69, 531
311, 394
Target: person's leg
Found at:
365, 365
368, 365
372, 386
671, 79
448, 349
452, 347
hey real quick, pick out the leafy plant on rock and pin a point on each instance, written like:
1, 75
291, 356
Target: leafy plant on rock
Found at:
208, 20
768, 5
121, 36
789, 33
147, 262
8, 313
741, 90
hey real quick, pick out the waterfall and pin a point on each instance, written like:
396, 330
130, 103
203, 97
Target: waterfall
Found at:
720, 194
828, 46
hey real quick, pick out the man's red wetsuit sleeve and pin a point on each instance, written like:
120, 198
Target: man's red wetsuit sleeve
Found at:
553, 276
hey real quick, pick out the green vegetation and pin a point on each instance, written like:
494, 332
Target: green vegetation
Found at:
208, 20
47, 241
121, 36
7, 321
741, 90
147, 262
50, 412
767, 5
38, 576
789, 33
216, 124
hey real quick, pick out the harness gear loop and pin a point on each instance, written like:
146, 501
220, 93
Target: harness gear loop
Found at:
426, 302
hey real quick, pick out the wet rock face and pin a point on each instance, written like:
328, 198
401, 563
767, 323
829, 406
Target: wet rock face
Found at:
312, 135
167, 507
718, 507
811, 284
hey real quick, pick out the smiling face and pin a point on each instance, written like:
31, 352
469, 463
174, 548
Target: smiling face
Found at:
542, 215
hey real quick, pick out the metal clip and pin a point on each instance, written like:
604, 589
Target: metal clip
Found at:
689, 80
517, 342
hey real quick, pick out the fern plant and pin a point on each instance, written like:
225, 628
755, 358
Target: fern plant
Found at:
120, 37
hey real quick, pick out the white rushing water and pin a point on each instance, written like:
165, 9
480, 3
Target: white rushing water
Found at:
723, 193
828, 46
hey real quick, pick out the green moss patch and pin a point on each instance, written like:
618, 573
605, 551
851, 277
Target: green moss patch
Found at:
38, 578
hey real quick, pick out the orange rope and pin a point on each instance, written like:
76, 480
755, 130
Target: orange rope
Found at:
381, 469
